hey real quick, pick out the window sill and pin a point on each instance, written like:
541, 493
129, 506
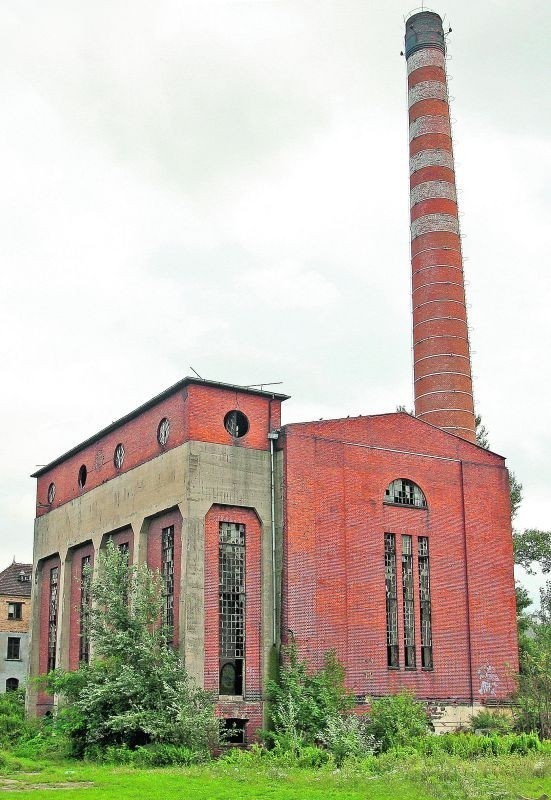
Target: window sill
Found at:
13, 659
405, 505
394, 669
427, 669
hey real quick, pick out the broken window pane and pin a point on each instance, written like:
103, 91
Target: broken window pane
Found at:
424, 599
167, 571
85, 580
391, 601
231, 564
52, 617
409, 613
405, 493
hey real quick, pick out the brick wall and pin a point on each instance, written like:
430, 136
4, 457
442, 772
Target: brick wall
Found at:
195, 413
139, 438
336, 474
14, 625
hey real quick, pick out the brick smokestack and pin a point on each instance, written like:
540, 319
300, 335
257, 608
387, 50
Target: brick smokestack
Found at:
441, 355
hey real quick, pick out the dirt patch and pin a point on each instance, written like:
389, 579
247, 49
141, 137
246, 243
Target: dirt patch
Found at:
10, 785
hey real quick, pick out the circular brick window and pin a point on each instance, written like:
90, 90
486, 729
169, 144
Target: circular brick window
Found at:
82, 475
118, 457
51, 493
163, 431
236, 423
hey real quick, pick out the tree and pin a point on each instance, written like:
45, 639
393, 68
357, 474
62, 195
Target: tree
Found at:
533, 546
135, 691
533, 696
481, 433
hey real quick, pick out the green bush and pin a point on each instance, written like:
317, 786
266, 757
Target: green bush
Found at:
470, 745
152, 755
348, 737
486, 721
397, 721
303, 703
13, 725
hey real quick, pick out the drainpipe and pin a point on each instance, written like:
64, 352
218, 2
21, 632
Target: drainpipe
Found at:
273, 436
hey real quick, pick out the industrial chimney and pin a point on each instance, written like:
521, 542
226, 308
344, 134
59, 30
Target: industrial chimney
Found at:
441, 356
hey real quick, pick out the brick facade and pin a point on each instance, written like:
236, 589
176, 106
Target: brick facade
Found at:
336, 474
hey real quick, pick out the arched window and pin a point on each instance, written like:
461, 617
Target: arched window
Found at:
403, 492
12, 684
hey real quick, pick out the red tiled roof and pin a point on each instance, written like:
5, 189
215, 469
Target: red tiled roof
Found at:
11, 583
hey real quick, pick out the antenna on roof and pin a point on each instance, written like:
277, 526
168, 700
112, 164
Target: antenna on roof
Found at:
194, 370
262, 385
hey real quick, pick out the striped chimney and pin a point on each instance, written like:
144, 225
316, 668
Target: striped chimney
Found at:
441, 356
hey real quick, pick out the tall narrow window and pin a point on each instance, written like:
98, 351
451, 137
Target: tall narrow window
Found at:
124, 550
52, 617
85, 579
231, 563
167, 570
424, 598
409, 615
14, 648
391, 601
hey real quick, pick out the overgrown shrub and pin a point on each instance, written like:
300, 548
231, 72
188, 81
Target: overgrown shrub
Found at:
136, 691
152, 755
397, 721
470, 745
486, 721
13, 725
348, 737
304, 703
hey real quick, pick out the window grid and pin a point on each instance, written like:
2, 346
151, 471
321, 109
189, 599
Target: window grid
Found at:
15, 610
167, 571
425, 605
231, 563
405, 493
409, 610
85, 580
14, 648
391, 601
52, 617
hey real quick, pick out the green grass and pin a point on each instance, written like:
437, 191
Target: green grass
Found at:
385, 778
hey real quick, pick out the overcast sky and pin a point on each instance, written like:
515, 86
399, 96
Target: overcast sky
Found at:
225, 185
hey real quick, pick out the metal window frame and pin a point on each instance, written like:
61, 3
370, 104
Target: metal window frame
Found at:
232, 603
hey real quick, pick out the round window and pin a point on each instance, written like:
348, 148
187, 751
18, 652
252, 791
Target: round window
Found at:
82, 475
163, 431
118, 457
236, 423
51, 493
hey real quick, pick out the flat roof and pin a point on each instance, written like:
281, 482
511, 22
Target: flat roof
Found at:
187, 381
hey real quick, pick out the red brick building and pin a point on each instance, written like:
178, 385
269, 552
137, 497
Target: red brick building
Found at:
387, 538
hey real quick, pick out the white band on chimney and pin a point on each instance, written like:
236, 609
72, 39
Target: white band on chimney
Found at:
429, 124
434, 222
432, 189
430, 158
427, 57
427, 90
